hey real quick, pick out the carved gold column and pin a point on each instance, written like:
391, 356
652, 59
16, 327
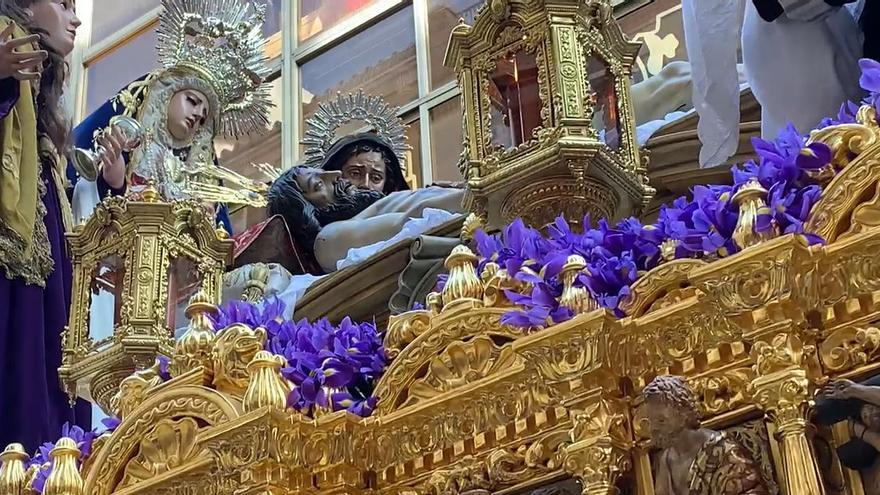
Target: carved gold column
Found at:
782, 391
600, 449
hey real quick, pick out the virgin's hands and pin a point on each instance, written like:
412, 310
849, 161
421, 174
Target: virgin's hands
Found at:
22, 65
113, 164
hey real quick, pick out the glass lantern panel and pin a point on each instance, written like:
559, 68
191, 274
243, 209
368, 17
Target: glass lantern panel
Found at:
105, 305
605, 113
515, 103
183, 283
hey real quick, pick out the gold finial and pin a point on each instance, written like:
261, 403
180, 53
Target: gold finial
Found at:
463, 283
221, 231
64, 478
577, 299
751, 202
471, 225
12, 473
258, 281
267, 387
667, 249
151, 193
193, 349
434, 302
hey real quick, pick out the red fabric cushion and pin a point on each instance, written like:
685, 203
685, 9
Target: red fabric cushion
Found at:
270, 242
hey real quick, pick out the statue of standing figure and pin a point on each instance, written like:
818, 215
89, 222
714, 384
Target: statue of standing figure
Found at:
211, 83
694, 460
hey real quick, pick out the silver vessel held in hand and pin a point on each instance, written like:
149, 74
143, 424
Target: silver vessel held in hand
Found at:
87, 162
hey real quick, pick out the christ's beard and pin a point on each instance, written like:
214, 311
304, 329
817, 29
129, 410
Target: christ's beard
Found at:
347, 205
661, 440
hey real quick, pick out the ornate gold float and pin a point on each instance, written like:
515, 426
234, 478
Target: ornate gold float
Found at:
470, 405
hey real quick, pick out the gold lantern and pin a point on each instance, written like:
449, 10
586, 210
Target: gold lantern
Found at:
136, 264
548, 124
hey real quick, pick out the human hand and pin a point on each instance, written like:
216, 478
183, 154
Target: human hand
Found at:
21, 65
112, 145
449, 184
841, 389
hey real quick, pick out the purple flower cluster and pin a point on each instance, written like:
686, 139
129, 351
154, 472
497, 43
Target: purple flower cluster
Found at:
330, 366
84, 440
615, 257
787, 167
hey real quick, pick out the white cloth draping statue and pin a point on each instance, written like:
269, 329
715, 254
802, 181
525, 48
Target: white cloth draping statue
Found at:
801, 67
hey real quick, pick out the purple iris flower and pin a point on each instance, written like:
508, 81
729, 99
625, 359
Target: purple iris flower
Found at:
110, 424
846, 115
164, 372
268, 314
870, 80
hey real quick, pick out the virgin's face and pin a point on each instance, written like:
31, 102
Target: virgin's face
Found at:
187, 113
58, 19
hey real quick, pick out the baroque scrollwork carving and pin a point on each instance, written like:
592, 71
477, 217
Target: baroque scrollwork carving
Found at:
853, 147
502, 468
658, 284
171, 444
721, 392
460, 364
849, 347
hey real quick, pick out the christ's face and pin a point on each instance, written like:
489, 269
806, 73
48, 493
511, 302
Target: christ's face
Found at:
322, 188
667, 421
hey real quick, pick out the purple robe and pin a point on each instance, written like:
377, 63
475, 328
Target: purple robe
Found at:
33, 406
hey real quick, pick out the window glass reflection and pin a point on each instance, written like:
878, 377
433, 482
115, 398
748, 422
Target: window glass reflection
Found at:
183, 284
106, 297
381, 60
515, 103
273, 16
319, 15
414, 156
109, 16
446, 140
443, 15
112, 72
239, 155
605, 113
